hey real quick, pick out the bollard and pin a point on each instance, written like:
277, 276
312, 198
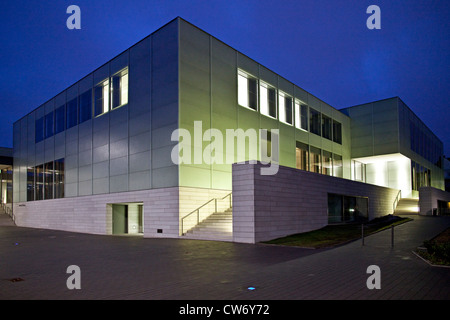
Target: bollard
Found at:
362, 233
392, 236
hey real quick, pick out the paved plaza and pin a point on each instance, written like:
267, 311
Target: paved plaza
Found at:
131, 267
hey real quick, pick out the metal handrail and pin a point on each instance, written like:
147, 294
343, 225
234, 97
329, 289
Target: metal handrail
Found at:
396, 200
197, 211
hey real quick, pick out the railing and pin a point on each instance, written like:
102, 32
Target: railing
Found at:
8, 210
204, 211
396, 200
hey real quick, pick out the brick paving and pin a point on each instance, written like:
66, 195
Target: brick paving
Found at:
117, 267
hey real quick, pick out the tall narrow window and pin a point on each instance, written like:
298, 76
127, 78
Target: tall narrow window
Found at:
301, 115
85, 106
49, 129
48, 180
337, 165
72, 113
314, 121
60, 114
326, 127
119, 89
39, 182
285, 107
30, 184
315, 158
327, 163
59, 178
247, 91
268, 103
302, 156
39, 129
101, 98
359, 171
337, 132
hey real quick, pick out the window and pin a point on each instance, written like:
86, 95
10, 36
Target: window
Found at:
48, 127
301, 115
285, 103
314, 121
247, 91
327, 163
326, 127
337, 165
337, 132
60, 113
359, 171
59, 179
39, 130
119, 90
268, 103
315, 158
39, 182
48, 180
85, 106
302, 156
268, 146
347, 208
30, 184
72, 113
101, 93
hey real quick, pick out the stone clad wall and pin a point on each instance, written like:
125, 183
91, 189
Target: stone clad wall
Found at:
293, 201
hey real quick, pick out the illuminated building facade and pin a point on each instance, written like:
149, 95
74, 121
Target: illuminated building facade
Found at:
98, 157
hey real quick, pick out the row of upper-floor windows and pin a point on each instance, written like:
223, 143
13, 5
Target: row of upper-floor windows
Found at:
316, 160
261, 96
109, 94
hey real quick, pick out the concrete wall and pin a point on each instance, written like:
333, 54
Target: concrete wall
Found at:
428, 199
93, 214
292, 201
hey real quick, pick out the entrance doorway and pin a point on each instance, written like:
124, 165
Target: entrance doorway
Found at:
127, 218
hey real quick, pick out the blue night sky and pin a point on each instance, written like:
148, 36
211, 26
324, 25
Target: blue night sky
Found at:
322, 46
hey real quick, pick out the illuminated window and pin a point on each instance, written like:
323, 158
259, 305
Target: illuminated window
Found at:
285, 107
302, 156
327, 163
59, 178
301, 115
101, 98
119, 89
337, 165
247, 91
315, 158
268, 103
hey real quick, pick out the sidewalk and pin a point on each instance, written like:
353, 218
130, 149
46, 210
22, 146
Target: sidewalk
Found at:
117, 267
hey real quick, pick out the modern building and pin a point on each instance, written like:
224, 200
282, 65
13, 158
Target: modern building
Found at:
133, 147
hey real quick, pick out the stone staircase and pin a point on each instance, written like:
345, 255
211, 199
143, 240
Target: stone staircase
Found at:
407, 206
218, 226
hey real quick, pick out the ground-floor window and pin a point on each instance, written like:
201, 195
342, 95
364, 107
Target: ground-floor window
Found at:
46, 181
343, 208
